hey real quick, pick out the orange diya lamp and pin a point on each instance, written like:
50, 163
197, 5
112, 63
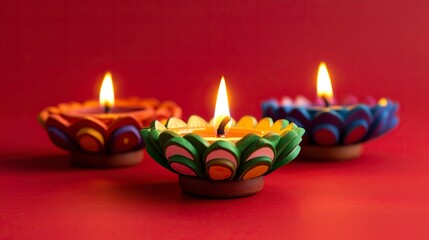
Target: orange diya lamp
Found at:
104, 133
222, 158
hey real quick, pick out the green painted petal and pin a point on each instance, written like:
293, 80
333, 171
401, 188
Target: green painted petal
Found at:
260, 143
287, 159
285, 139
188, 163
288, 149
225, 166
165, 136
152, 148
273, 137
223, 146
181, 144
247, 166
300, 131
246, 141
199, 143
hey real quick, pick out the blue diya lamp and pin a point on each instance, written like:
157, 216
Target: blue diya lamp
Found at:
334, 131
222, 158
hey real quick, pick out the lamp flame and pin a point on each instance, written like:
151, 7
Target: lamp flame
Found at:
324, 86
222, 118
107, 95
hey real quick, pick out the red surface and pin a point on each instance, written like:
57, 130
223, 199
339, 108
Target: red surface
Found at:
58, 51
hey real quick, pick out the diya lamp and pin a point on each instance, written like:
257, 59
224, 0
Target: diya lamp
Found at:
334, 131
104, 133
222, 158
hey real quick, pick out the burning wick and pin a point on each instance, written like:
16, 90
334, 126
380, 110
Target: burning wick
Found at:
325, 100
107, 109
221, 129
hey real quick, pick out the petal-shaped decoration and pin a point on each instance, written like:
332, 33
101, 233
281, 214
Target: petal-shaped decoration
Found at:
61, 139
280, 125
176, 123
300, 116
198, 142
355, 131
257, 159
247, 122
285, 141
151, 139
290, 127
259, 148
197, 122
286, 157
89, 122
326, 134
246, 141
252, 156
59, 122
254, 168
90, 140
269, 104
123, 121
125, 139
227, 158
359, 112
342, 127
392, 120
392, 124
265, 123
291, 141
274, 138
158, 125
281, 112
328, 117
183, 157
70, 127
220, 169
165, 136
184, 166
58, 131
302, 101
180, 146
377, 126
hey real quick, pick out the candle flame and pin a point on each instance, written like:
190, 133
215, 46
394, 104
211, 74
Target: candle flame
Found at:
107, 95
383, 102
222, 117
324, 86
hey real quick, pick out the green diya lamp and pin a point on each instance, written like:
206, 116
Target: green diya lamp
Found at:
222, 158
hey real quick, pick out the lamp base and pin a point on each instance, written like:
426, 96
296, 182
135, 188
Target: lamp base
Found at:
106, 160
335, 153
213, 189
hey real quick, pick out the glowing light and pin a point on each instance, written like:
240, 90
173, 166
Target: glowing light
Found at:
383, 102
107, 95
222, 118
324, 86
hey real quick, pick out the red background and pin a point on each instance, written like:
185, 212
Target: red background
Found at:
58, 51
